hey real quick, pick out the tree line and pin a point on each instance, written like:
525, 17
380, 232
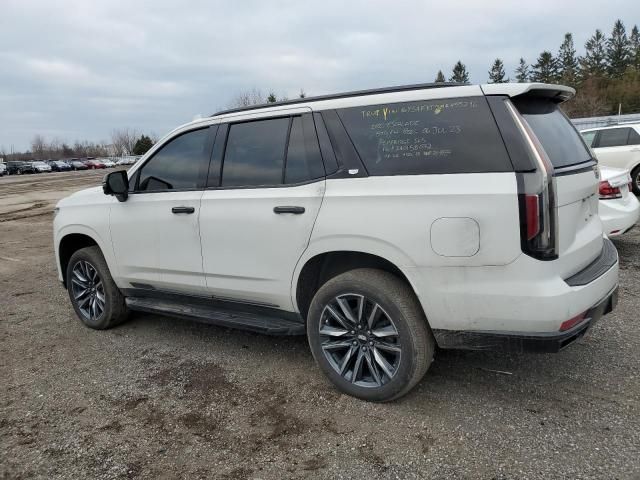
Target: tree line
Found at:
605, 76
124, 141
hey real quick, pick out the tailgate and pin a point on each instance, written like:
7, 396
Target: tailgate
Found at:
579, 237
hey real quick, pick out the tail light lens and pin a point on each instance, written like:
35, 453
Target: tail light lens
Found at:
536, 193
607, 192
532, 214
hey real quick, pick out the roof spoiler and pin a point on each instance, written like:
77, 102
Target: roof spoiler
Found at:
555, 93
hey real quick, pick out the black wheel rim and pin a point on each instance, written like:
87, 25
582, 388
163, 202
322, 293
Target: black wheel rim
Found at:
360, 340
87, 290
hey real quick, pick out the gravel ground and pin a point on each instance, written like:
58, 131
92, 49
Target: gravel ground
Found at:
165, 398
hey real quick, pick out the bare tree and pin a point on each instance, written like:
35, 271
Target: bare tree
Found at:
248, 98
38, 145
123, 140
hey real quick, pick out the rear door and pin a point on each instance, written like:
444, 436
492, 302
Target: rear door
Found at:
575, 182
266, 184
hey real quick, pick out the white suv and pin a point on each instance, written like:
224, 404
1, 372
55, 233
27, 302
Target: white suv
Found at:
617, 146
379, 223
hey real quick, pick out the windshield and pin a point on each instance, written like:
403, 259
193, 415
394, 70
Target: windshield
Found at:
561, 141
39, 164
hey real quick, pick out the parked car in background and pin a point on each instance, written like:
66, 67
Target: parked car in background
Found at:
619, 208
617, 146
59, 166
78, 165
108, 163
41, 167
94, 164
380, 223
19, 168
3, 169
130, 160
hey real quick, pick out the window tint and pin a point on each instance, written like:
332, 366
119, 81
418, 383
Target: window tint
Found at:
613, 137
302, 165
556, 133
634, 137
455, 135
588, 138
328, 155
177, 165
255, 153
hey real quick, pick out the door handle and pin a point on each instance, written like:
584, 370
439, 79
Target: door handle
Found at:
183, 210
294, 210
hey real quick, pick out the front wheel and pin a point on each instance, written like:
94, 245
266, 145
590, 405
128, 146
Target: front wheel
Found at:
369, 335
94, 295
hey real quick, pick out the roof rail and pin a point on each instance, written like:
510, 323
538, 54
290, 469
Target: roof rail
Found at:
356, 93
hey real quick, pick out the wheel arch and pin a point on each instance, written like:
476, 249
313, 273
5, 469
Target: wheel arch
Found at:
321, 267
72, 241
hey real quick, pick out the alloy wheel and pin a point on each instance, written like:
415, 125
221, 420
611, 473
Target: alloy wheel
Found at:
360, 340
88, 290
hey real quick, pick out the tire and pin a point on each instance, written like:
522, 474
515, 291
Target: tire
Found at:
87, 272
396, 309
635, 180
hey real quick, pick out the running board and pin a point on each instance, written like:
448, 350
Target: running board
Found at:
253, 321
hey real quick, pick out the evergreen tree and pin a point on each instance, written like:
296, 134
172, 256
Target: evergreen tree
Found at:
459, 74
567, 62
143, 144
545, 70
617, 51
496, 74
634, 44
522, 72
593, 64
440, 77
272, 98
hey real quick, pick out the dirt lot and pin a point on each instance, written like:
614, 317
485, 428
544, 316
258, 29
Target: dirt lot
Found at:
164, 398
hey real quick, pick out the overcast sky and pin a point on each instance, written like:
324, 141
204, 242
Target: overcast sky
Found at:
77, 69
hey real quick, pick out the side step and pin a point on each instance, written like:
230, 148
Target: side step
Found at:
213, 314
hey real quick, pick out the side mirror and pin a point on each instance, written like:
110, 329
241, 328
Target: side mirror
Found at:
116, 183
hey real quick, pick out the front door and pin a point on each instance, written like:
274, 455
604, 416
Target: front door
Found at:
155, 233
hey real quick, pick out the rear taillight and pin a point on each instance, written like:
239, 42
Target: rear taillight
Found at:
532, 214
536, 193
607, 192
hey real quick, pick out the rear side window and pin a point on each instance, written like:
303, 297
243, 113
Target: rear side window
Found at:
255, 153
179, 164
613, 137
271, 152
556, 133
634, 137
301, 165
588, 137
457, 135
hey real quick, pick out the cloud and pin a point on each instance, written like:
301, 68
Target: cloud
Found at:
76, 69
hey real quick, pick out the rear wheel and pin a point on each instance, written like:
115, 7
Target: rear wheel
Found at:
635, 180
368, 334
94, 295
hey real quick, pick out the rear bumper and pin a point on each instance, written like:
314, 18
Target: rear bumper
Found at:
619, 215
548, 342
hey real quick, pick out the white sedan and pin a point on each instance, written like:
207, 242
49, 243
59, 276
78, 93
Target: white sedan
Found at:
619, 208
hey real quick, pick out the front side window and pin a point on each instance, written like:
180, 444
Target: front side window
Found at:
456, 135
613, 137
178, 165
